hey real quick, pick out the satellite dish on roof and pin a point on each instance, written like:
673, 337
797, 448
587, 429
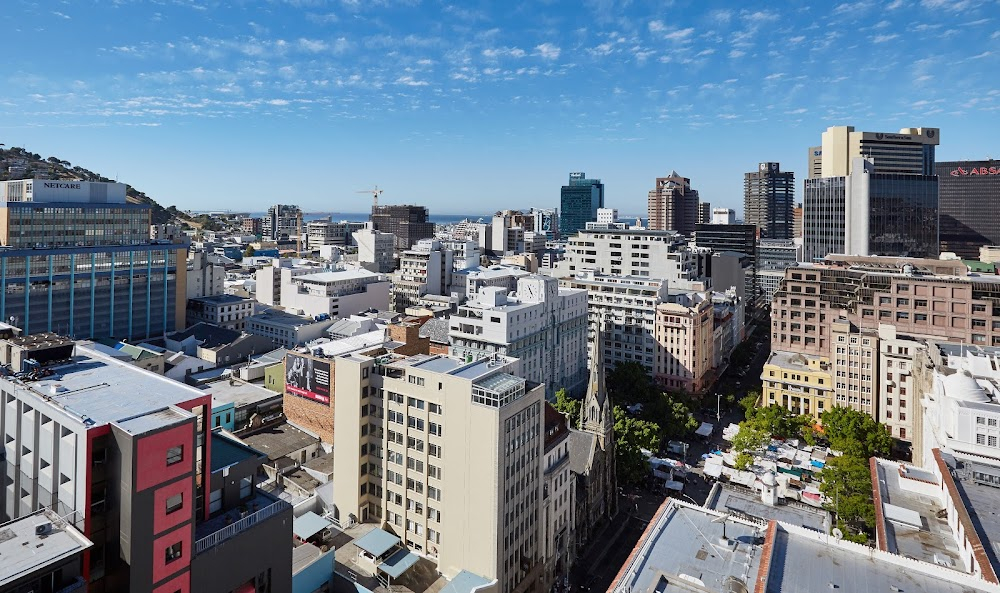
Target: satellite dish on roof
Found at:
838, 534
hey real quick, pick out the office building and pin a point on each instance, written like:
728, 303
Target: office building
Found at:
80, 262
129, 459
375, 250
673, 205
336, 293
768, 201
281, 222
639, 253
542, 325
684, 332
969, 192
546, 221
558, 500
425, 269
204, 278
815, 162
878, 195
578, 203
721, 216
406, 460
328, 232
280, 272
224, 310
800, 383
774, 256
732, 239
286, 330
705, 212
797, 221
406, 222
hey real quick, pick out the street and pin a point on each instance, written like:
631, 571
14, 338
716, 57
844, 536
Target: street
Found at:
600, 562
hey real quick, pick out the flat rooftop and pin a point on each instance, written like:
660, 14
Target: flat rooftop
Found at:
221, 299
99, 389
448, 365
682, 549
23, 552
279, 440
802, 563
338, 276
283, 318
978, 484
237, 392
731, 500
912, 527
228, 451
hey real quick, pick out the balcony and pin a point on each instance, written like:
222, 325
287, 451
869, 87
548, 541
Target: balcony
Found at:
236, 521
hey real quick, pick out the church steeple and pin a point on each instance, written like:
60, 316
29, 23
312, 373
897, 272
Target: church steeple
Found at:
598, 417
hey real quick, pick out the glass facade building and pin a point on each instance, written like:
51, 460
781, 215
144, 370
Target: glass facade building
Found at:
578, 203
969, 192
126, 292
903, 215
823, 217
768, 201
50, 224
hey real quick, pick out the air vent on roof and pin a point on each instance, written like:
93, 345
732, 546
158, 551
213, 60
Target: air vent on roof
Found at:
43, 528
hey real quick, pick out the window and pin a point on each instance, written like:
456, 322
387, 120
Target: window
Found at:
173, 552
215, 501
980, 439
175, 503
246, 487
175, 455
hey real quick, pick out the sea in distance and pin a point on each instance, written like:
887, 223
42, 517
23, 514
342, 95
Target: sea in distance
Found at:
363, 216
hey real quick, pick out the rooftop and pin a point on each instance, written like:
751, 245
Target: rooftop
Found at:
703, 562
220, 299
436, 329
228, 451
284, 319
280, 440
912, 526
790, 360
728, 499
24, 551
100, 389
238, 392
339, 276
352, 344
978, 485
209, 336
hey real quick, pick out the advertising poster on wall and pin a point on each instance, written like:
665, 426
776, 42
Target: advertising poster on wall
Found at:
307, 377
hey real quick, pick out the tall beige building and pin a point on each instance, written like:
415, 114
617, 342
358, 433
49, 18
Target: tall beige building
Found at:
910, 152
673, 205
448, 455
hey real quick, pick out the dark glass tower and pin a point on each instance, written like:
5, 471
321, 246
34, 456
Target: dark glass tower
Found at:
579, 202
768, 201
968, 200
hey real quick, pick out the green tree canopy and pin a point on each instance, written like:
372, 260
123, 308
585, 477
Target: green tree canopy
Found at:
631, 436
568, 406
778, 421
855, 433
847, 483
250, 251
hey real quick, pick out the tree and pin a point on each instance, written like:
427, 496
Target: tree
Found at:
628, 383
749, 403
778, 421
568, 406
743, 461
250, 251
631, 436
847, 484
855, 433
750, 438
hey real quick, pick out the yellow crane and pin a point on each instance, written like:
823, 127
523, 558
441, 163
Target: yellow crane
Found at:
375, 194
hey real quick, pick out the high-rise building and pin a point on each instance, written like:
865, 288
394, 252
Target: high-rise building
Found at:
736, 238
327, 232
673, 205
425, 269
968, 196
408, 223
578, 202
282, 221
448, 453
768, 200
774, 256
705, 212
878, 195
797, 221
541, 324
375, 249
815, 162
721, 216
130, 459
253, 226
79, 261
546, 222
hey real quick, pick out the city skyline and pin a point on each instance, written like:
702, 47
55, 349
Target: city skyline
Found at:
193, 102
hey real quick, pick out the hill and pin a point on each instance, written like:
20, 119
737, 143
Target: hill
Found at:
18, 163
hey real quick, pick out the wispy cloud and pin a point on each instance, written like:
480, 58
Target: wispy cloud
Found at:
548, 51
884, 38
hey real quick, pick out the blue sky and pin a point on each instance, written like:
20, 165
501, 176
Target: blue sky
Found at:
473, 106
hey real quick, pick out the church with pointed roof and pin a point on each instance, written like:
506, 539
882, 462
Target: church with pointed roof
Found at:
592, 454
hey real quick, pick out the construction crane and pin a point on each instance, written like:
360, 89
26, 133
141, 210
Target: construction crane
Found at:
375, 194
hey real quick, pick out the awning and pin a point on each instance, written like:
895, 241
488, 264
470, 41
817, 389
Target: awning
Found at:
377, 542
398, 563
309, 525
466, 582
674, 485
705, 430
713, 469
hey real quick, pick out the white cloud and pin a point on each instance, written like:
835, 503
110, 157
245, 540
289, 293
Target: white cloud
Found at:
774, 76
950, 5
985, 54
61, 15
895, 5
602, 50
548, 51
798, 111
849, 7
410, 81
313, 45
797, 39
884, 38
499, 52
736, 53
278, 102
705, 52
680, 35
657, 27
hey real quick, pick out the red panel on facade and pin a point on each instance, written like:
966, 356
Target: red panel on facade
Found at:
163, 521
151, 456
179, 584
161, 568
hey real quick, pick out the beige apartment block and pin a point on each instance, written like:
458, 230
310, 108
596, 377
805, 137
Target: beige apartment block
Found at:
448, 454
684, 342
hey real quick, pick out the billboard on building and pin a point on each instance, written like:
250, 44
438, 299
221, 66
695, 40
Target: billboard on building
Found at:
307, 377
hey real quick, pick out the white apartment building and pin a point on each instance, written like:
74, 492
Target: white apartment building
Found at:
270, 278
425, 269
723, 216
623, 308
286, 330
204, 278
450, 454
376, 250
607, 215
223, 310
541, 324
684, 332
640, 253
897, 394
326, 232
465, 254
339, 293
468, 283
